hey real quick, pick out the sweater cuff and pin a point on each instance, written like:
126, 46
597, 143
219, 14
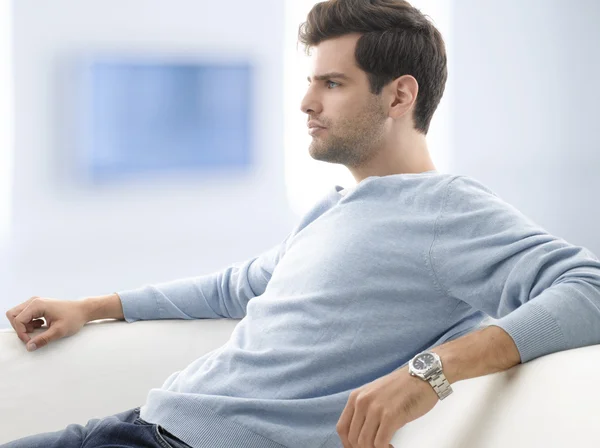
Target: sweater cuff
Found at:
138, 304
534, 330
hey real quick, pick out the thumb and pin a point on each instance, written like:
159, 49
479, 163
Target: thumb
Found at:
52, 334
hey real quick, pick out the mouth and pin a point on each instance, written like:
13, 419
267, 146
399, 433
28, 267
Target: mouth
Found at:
315, 131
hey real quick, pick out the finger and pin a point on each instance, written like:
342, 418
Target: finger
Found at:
369, 430
385, 433
21, 330
343, 425
358, 420
14, 312
43, 339
33, 310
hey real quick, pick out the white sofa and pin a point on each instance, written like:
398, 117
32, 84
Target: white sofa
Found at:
109, 366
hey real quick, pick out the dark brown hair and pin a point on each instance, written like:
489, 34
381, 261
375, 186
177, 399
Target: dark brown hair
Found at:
397, 39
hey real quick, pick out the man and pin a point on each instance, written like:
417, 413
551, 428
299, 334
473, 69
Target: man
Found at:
356, 324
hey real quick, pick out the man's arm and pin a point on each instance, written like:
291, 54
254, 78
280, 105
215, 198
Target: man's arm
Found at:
543, 291
482, 352
104, 307
378, 409
223, 294
219, 295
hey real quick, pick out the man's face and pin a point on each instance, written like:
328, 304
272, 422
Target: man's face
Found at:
354, 119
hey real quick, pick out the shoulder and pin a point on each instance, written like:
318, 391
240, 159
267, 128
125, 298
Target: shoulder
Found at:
468, 186
470, 202
465, 192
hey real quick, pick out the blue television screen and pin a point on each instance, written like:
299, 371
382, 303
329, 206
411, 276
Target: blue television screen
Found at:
165, 116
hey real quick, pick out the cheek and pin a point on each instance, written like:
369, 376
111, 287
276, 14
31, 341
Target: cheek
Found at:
338, 106
344, 116
344, 113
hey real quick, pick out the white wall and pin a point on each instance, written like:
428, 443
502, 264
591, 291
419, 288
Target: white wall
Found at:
70, 241
525, 115
6, 118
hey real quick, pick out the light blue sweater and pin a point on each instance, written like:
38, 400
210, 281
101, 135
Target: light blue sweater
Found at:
366, 280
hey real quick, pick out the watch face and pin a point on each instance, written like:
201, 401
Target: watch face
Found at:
423, 362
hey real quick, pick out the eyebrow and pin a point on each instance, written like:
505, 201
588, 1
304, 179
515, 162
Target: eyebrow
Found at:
329, 75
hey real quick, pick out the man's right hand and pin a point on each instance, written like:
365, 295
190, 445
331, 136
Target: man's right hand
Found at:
63, 318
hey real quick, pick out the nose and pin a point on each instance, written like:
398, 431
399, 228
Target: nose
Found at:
310, 104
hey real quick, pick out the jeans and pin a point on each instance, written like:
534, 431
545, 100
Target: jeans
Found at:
125, 429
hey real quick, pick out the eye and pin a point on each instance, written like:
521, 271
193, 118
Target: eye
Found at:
331, 82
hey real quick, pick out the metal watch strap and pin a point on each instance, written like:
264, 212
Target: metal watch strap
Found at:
440, 384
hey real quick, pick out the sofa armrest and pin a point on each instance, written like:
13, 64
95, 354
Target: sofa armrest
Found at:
551, 401
109, 366
106, 368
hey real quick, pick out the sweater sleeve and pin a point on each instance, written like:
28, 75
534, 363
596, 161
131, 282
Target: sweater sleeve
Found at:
543, 291
222, 294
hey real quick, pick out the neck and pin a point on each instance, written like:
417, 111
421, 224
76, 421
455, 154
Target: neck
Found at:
409, 156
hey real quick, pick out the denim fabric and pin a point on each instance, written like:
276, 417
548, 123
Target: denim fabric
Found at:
122, 429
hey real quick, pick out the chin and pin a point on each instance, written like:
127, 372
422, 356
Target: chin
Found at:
314, 152
323, 157
318, 154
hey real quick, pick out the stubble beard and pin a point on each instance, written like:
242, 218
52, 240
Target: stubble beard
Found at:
355, 142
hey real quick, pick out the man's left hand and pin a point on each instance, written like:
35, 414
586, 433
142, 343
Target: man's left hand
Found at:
375, 411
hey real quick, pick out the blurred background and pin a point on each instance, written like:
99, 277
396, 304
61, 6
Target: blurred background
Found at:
86, 209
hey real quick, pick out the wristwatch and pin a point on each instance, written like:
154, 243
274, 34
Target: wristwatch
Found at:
428, 366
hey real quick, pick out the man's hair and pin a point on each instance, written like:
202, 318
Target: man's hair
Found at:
397, 39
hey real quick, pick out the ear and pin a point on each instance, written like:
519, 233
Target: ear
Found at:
403, 94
